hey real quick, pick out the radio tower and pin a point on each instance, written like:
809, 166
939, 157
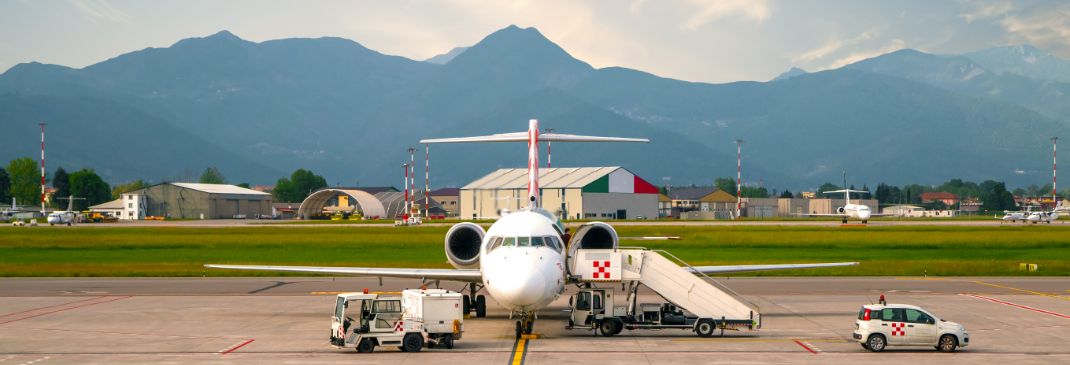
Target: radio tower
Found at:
739, 176
1053, 170
43, 124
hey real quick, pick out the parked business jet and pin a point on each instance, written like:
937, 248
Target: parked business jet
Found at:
521, 259
849, 210
68, 216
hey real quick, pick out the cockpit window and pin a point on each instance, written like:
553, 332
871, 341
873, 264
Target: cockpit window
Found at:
493, 243
509, 242
537, 242
523, 241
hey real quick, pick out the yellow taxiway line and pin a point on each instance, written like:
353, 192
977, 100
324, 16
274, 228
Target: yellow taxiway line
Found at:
1050, 295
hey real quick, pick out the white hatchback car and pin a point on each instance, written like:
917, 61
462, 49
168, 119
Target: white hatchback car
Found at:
880, 326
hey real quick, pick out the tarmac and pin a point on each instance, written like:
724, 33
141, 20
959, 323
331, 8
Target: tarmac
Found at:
286, 320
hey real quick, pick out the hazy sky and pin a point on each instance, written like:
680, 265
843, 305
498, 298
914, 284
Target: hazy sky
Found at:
696, 40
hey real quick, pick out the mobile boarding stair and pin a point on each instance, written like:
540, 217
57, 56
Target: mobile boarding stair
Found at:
672, 279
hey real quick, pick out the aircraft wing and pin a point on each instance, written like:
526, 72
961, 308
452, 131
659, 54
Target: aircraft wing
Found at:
558, 137
471, 275
822, 215
727, 269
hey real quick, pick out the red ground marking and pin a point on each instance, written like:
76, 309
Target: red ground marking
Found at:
60, 308
235, 348
1017, 305
805, 347
54, 305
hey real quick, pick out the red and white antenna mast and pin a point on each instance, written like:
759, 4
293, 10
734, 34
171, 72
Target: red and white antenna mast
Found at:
739, 176
549, 152
1054, 195
427, 179
43, 124
412, 180
405, 181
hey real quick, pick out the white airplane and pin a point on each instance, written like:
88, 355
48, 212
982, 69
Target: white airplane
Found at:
849, 210
1041, 216
1009, 216
520, 260
68, 216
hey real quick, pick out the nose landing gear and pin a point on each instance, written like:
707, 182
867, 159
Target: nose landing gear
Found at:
525, 326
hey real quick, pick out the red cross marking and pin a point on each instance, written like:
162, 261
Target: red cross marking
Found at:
897, 329
600, 269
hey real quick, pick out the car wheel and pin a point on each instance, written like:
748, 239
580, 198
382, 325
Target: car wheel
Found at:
365, 345
412, 342
876, 343
705, 327
947, 343
448, 342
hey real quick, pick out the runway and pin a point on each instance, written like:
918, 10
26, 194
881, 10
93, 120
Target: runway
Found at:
287, 320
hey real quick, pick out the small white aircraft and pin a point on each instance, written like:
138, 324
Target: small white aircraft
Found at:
1009, 216
1041, 216
68, 216
521, 259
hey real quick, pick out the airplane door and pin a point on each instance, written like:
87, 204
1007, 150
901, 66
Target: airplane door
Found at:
622, 214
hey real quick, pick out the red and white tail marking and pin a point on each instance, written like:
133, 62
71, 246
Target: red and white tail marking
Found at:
533, 163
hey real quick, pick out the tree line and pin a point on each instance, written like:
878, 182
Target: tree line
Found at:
21, 180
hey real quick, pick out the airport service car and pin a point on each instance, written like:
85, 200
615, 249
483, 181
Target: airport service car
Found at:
883, 325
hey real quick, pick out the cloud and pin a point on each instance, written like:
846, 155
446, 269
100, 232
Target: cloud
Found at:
893, 45
987, 10
95, 10
831, 47
634, 7
710, 10
1045, 28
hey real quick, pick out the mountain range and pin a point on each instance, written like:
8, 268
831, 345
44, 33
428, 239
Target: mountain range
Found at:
260, 110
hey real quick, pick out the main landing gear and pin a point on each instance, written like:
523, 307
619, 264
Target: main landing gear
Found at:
478, 303
525, 325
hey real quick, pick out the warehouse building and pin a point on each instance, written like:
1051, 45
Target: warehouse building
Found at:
574, 192
195, 201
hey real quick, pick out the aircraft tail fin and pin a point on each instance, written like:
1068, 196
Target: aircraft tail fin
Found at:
532, 137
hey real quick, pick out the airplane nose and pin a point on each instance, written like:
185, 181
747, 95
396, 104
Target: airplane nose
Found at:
523, 288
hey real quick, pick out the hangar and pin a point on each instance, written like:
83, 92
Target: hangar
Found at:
570, 192
193, 200
369, 202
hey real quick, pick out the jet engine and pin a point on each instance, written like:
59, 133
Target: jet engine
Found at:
594, 235
463, 241
839, 210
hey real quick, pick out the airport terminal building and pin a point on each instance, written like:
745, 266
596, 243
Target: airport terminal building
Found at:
594, 193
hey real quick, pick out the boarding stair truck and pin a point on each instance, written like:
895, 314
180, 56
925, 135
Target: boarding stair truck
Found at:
595, 307
366, 320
